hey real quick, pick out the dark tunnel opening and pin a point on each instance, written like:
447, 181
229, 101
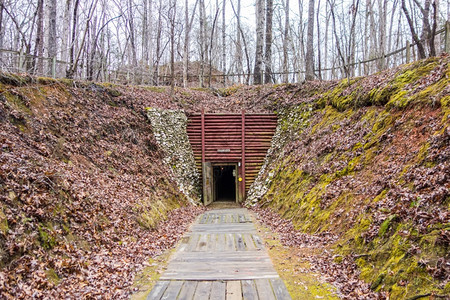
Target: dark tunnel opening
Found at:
225, 183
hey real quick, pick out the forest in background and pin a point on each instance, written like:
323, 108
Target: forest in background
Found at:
181, 43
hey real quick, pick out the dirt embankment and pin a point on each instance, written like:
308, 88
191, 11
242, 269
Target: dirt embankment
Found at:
82, 189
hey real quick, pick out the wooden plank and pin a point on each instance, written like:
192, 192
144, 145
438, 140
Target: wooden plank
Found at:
234, 290
230, 227
230, 244
203, 290
280, 289
240, 246
193, 242
203, 219
201, 246
249, 290
213, 275
225, 265
264, 289
184, 244
158, 290
194, 255
225, 256
258, 242
248, 240
172, 290
212, 242
220, 247
218, 290
217, 219
187, 290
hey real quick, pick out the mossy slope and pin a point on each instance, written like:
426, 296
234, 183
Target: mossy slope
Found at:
369, 160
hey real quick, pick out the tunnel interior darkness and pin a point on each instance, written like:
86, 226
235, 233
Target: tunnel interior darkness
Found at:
225, 183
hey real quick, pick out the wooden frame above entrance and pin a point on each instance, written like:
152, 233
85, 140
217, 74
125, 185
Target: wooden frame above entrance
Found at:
242, 139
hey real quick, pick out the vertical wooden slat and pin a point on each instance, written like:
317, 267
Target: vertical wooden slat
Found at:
203, 136
243, 154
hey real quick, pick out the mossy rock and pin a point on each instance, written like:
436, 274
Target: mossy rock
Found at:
15, 80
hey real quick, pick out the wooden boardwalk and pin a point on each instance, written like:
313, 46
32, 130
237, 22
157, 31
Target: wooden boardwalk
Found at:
222, 257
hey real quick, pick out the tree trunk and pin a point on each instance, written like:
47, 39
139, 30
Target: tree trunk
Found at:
172, 16
352, 44
186, 44
65, 37
144, 41
238, 40
420, 46
391, 28
39, 44
268, 53
211, 43
257, 76
224, 50
203, 49
158, 45
325, 59
1, 25
382, 8
133, 62
319, 63
70, 70
149, 41
187, 40
74, 64
301, 42
52, 44
285, 43
310, 43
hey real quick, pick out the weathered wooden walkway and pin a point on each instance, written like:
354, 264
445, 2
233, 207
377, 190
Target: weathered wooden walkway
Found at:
221, 258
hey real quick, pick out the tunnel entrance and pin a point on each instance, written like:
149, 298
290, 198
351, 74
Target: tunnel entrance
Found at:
225, 183
229, 148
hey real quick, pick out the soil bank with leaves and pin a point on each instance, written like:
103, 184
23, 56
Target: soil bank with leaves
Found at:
363, 169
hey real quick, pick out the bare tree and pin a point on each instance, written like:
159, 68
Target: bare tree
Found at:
268, 53
39, 44
203, 45
145, 32
238, 54
210, 43
1, 25
224, 43
132, 30
419, 43
285, 43
172, 16
257, 76
52, 46
65, 34
70, 70
187, 33
309, 75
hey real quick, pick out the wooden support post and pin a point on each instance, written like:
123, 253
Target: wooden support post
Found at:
408, 51
243, 155
20, 62
447, 37
54, 67
203, 136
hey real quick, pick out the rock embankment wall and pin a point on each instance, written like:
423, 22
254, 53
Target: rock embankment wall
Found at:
169, 128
